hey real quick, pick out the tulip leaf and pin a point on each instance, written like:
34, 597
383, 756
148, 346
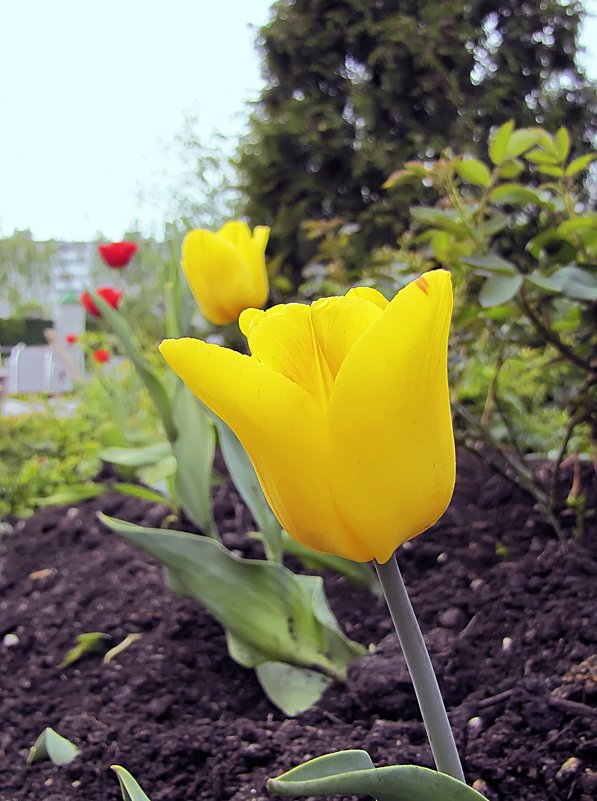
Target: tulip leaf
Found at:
85, 643
246, 482
71, 494
53, 746
129, 786
360, 574
136, 457
350, 773
138, 491
499, 289
292, 689
153, 383
194, 450
262, 604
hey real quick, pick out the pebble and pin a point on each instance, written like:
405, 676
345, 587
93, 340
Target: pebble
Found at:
10, 640
507, 644
475, 725
568, 770
452, 618
480, 786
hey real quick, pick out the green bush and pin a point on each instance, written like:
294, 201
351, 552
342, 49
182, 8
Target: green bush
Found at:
40, 453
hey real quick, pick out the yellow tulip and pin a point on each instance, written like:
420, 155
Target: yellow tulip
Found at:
226, 270
343, 407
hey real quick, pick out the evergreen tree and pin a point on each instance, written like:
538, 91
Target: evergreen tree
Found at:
354, 88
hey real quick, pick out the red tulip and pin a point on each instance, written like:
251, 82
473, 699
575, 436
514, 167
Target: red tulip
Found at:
101, 355
117, 254
71, 339
108, 293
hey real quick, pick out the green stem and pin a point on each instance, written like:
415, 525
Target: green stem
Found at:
421, 671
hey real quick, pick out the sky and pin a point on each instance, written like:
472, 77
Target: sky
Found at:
93, 95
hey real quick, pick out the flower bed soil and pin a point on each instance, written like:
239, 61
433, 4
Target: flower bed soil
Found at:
507, 611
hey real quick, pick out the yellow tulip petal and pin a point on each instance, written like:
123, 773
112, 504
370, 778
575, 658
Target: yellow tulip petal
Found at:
392, 465
283, 339
238, 233
338, 322
370, 294
217, 275
257, 262
281, 428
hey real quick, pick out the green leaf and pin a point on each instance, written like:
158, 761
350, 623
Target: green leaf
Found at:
520, 141
75, 493
473, 171
352, 773
399, 178
194, 450
498, 143
499, 289
129, 786
511, 169
547, 169
136, 457
85, 643
561, 142
579, 164
496, 223
246, 482
552, 244
260, 603
129, 344
129, 640
360, 574
540, 156
491, 264
544, 282
137, 491
515, 195
447, 221
588, 222
53, 746
292, 689
576, 282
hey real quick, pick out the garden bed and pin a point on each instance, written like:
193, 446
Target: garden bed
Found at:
507, 612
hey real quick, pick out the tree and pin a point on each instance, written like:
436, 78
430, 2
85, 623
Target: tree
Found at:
354, 88
25, 270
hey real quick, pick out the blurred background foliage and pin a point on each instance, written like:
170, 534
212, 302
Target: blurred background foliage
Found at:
354, 87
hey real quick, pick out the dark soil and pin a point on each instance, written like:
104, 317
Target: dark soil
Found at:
507, 611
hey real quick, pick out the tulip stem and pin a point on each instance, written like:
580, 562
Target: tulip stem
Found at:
421, 671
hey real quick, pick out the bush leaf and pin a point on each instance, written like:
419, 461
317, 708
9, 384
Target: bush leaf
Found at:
473, 171
499, 289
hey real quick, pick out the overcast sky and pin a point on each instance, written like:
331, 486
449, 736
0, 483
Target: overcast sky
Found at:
92, 95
